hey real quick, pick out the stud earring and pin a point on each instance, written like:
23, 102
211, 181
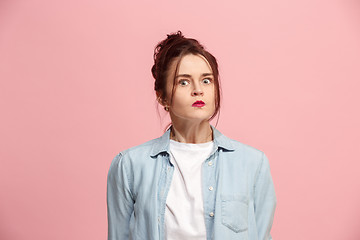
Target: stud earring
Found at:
166, 108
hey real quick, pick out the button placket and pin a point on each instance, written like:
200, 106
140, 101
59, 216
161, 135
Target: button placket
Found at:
210, 170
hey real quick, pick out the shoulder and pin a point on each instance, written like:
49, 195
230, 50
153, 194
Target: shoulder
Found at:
144, 148
137, 153
246, 149
244, 153
236, 149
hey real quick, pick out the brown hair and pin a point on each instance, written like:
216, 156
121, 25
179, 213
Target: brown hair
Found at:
176, 46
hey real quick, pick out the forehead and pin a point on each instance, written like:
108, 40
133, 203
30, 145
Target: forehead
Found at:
194, 64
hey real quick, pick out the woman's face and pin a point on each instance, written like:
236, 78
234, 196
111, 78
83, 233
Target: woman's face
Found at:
194, 93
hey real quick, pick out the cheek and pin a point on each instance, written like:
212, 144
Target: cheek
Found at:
178, 99
169, 95
213, 94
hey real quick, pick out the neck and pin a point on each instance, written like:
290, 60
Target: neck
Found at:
191, 132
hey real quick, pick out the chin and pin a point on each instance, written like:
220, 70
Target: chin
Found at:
200, 118
198, 115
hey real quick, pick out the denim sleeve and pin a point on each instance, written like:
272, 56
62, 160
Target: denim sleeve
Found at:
120, 203
264, 200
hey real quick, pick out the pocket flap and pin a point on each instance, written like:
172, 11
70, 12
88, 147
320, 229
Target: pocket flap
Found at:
234, 212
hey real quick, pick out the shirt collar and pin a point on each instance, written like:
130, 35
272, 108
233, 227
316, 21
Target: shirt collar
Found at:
162, 144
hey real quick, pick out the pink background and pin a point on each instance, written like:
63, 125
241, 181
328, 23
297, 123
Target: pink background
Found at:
76, 89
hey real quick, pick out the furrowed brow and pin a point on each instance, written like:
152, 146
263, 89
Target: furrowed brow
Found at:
189, 76
206, 74
183, 75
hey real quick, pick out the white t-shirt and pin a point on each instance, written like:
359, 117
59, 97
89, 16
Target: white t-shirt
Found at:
184, 213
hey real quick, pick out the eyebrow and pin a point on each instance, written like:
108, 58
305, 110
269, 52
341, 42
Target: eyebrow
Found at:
189, 76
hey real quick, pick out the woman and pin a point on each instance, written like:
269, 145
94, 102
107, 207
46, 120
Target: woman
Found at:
192, 182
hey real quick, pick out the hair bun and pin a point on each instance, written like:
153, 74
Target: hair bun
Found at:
174, 35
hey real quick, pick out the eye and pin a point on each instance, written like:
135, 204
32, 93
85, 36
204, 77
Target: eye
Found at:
207, 80
184, 82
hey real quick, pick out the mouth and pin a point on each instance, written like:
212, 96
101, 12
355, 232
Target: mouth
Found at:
198, 104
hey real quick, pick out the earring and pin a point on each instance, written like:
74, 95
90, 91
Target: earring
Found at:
166, 108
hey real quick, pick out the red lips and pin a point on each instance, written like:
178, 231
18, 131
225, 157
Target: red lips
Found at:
198, 104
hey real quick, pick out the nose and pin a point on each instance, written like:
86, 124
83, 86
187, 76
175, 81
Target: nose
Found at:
197, 91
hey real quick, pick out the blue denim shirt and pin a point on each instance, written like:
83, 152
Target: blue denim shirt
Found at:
241, 204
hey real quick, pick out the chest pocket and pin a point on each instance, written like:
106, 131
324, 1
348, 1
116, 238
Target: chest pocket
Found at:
234, 212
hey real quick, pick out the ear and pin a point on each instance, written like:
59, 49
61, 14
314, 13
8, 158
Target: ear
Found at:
160, 99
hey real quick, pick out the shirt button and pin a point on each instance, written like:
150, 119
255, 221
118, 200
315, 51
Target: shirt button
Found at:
211, 214
210, 163
211, 188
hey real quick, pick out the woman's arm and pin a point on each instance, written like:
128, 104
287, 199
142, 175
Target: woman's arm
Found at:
264, 200
120, 204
